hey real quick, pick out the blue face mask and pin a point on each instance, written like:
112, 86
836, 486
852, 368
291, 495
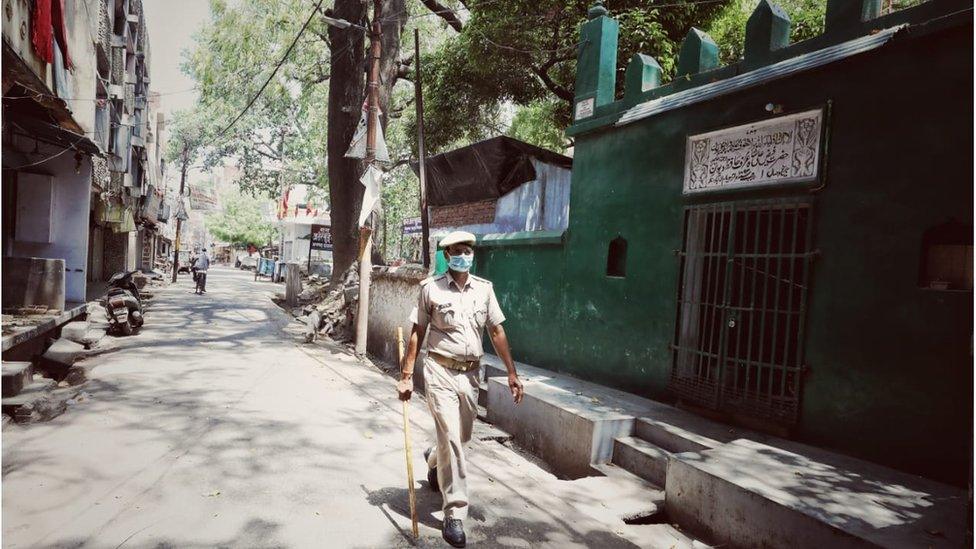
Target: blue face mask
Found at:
461, 263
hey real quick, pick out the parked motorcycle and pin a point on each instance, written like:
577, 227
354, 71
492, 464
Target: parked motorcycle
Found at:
123, 305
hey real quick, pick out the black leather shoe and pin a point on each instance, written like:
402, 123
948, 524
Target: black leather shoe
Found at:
453, 532
431, 473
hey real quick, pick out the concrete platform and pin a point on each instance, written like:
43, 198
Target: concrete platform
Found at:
572, 423
44, 324
748, 494
568, 425
733, 486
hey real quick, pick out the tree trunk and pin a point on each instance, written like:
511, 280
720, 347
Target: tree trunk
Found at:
347, 85
347, 90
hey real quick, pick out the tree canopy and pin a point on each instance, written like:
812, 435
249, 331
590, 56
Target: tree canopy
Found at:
523, 52
186, 139
490, 67
241, 220
728, 29
281, 138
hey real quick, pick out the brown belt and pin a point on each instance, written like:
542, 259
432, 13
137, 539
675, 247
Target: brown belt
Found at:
452, 364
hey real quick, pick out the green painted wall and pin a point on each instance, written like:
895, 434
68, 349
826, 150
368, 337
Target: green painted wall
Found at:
890, 364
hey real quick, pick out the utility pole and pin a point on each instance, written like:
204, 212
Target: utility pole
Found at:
184, 156
366, 233
421, 154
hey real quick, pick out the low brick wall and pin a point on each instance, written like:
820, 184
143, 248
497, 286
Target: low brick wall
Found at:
456, 215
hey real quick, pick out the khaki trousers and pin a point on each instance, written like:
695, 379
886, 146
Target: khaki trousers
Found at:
453, 402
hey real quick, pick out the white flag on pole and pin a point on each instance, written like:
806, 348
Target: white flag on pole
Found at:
357, 149
371, 180
181, 209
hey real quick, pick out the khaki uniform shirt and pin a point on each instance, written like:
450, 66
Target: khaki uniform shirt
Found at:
456, 316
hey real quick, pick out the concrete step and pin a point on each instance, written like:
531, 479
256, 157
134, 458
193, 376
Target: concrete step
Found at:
675, 439
38, 386
16, 376
34, 402
662, 535
749, 494
83, 332
646, 460
619, 493
636, 506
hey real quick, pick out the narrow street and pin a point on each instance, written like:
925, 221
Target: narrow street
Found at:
212, 428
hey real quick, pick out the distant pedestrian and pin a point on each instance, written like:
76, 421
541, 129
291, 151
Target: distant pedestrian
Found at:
457, 306
201, 265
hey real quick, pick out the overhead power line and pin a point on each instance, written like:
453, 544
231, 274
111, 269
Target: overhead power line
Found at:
273, 72
317, 9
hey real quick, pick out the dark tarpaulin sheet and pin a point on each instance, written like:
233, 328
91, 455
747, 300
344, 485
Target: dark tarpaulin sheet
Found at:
484, 170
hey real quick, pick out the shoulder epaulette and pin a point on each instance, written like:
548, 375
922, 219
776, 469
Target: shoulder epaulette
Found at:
430, 279
479, 279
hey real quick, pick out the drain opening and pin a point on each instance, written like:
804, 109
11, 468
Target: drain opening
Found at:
657, 517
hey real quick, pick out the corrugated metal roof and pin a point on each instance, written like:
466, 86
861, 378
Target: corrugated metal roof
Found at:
759, 76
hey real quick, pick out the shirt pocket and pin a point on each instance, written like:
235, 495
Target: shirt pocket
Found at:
445, 316
480, 317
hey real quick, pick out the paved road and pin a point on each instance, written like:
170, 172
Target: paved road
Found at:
216, 427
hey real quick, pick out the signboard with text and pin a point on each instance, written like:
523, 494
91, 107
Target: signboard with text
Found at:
321, 238
411, 225
584, 108
785, 149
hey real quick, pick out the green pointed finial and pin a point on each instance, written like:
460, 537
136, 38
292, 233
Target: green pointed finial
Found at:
643, 74
596, 65
767, 30
846, 14
596, 10
698, 53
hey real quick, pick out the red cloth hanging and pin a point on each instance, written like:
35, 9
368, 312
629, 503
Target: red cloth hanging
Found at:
49, 22
61, 30
42, 31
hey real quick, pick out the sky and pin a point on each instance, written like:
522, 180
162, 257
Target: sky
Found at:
171, 26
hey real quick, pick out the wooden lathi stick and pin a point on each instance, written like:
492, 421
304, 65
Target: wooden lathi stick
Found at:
406, 442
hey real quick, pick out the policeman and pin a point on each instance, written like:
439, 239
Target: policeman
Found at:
457, 306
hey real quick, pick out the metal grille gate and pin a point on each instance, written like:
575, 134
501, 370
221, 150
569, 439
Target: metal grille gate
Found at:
742, 294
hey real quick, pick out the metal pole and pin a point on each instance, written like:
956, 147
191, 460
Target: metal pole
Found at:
421, 153
179, 222
365, 233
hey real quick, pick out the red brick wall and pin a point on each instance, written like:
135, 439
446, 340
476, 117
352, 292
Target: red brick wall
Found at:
463, 214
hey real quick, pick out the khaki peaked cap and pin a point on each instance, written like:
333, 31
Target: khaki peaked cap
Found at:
457, 237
